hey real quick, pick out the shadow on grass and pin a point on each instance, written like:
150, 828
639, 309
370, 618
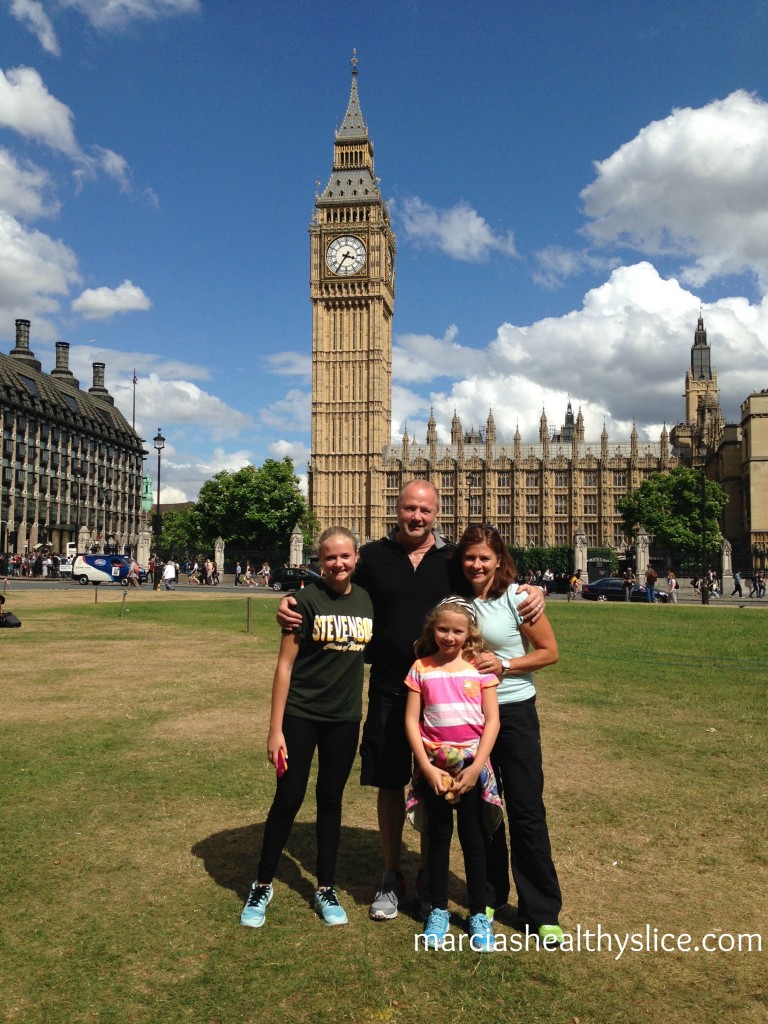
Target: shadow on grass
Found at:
231, 858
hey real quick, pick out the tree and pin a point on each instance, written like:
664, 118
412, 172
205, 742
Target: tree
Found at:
254, 506
180, 532
559, 559
669, 507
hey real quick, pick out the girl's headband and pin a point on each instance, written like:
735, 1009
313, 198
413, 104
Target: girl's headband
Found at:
458, 602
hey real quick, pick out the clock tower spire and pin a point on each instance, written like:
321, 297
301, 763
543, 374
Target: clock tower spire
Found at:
352, 288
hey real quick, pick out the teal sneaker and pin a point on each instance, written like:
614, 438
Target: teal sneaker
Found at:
255, 909
480, 934
328, 907
436, 928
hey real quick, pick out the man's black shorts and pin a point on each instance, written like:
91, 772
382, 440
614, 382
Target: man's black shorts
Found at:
387, 760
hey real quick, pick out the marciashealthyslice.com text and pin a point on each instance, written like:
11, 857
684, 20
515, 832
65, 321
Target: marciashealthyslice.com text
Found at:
597, 940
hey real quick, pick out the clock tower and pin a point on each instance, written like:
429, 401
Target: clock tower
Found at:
352, 287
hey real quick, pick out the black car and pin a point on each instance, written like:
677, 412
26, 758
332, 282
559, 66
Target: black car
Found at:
611, 588
291, 579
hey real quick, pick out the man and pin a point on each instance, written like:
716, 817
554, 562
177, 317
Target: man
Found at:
629, 582
650, 584
406, 574
169, 575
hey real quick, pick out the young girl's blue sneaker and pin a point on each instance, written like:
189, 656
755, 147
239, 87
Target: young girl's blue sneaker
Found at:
255, 910
328, 907
436, 928
480, 934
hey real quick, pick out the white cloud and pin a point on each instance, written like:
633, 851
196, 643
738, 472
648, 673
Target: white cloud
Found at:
459, 232
28, 108
186, 474
22, 189
32, 13
299, 455
296, 451
555, 263
115, 166
622, 357
292, 411
115, 14
422, 357
693, 186
183, 402
34, 269
103, 303
290, 364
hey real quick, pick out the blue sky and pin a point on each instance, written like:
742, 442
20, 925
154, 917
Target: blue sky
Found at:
569, 183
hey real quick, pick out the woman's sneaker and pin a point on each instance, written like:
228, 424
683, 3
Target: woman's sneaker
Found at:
328, 907
255, 909
387, 899
436, 928
480, 934
551, 935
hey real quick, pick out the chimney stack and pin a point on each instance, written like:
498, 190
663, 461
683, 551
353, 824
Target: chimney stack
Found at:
22, 350
62, 371
98, 390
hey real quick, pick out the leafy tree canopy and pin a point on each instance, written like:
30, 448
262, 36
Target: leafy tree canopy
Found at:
669, 507
256, 506
180, 532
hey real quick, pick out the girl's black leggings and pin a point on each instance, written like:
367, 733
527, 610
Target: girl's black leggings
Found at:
336, 744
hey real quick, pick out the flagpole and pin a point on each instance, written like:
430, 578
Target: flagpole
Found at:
133, 422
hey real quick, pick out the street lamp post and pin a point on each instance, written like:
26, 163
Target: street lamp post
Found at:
159, 443
78, 473
704, 574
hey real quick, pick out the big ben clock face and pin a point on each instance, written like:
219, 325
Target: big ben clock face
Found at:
345, 255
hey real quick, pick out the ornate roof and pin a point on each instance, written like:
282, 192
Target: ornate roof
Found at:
25, 387
353, 127
352, 180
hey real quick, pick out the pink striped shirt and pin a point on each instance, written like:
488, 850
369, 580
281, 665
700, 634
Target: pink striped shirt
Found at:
452, 709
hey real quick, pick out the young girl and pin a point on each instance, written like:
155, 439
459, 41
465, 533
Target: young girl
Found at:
317, 697
452, 720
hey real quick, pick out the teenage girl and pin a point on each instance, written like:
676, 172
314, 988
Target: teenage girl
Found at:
317, 697
452, 720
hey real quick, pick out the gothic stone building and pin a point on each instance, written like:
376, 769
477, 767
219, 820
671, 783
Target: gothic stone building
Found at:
536, 494
72, 465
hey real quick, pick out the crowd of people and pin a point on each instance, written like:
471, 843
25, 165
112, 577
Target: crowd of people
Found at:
462, 705
36, 566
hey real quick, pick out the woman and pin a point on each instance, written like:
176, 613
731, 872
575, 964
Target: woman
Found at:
516, 758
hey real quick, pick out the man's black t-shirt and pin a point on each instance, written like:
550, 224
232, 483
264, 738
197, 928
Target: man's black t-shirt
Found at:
401, 597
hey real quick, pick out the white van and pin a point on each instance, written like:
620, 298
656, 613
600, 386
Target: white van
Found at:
101, 569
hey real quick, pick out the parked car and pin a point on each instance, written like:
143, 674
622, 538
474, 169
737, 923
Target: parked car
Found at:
291, 579
611, 588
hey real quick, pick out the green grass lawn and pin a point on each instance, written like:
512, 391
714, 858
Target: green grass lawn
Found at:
136, 788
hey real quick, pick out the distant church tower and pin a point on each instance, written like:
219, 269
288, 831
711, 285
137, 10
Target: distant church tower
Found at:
352, 288
704, 422
701, 379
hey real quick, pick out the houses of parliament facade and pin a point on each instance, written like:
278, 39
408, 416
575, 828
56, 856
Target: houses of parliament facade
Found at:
535, 494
